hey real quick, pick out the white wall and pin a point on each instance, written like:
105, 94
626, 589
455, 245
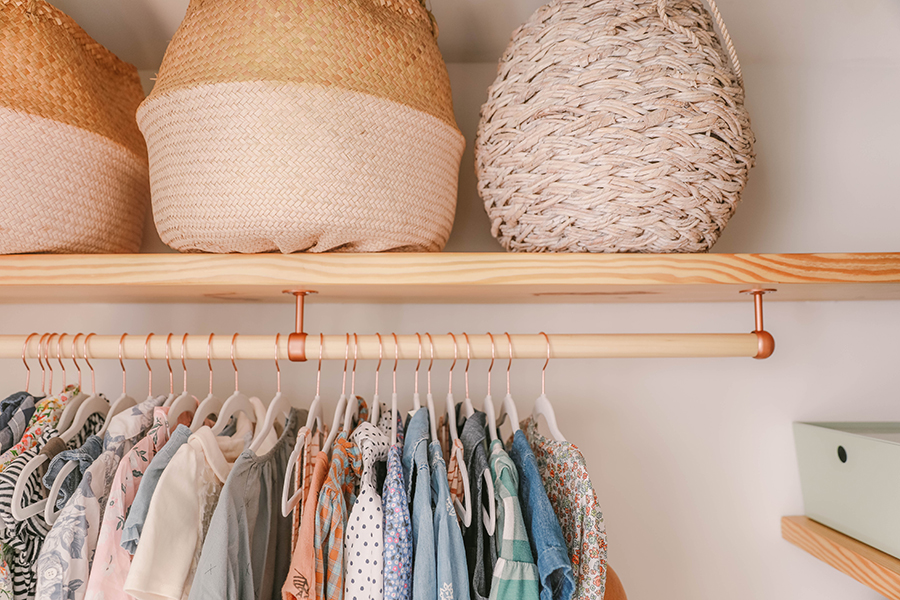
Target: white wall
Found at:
693, 460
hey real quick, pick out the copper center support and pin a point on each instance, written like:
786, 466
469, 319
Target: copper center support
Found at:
297, 340
766, 341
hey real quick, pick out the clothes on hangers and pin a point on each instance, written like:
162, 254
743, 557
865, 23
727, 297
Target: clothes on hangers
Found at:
515, 573
335, 500
137, 515
450, 554
10, 404
454, 474
185, 498
417, 476
364, 540
481, 552
15, 427
397, 558
83, 453
112, 563
247, 551
46, 415
303, 474
573, 497
544, 532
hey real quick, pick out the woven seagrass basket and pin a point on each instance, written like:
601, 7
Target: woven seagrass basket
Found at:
324, 125
614, 126
73, 164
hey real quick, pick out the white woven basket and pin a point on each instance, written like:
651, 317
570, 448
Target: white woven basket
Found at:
74, 165
331, 130
614, 126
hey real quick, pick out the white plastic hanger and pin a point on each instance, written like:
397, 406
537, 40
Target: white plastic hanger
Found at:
394, 392
68, 413
489, 515
467, 407
185, 402
93, 404
376, 401
122, 403
543, 407
290, 502
351, 412
464, 510
429, 399
236, 402
210, 405
171, 397
509, 405
341, 404
488, 401
279, 407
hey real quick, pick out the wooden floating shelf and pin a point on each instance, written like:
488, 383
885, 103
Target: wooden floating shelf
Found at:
869, 566
447, 277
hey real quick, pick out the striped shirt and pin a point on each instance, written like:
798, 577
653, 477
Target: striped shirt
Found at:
515, 574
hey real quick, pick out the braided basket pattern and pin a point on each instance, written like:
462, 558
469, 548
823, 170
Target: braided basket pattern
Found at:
614, 126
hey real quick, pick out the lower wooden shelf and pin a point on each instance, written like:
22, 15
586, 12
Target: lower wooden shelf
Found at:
869, 566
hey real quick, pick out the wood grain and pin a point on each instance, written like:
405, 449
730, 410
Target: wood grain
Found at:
869, 566
447, 277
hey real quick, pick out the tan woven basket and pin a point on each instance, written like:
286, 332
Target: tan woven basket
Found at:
321, 125
614, 126
74, 164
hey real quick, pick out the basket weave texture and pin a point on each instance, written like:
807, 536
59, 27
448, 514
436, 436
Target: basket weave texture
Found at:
614, 126
75, 174
322, 126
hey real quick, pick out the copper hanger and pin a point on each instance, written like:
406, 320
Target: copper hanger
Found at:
277, 366
41, 362
74, 353
546, 362
122, 362
59, 359
376, 402
417, 404
49, 364
353, 372
169, 367
394, 392
90, 366
209, 361
149, 370
234, 364
319, 368
27, 368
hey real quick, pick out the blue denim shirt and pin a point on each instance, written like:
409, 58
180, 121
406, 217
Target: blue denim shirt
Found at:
481, 551
417, 475
452, 571
544, 532
140, 506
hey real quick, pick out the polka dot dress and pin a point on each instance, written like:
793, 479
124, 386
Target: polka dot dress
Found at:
364, 535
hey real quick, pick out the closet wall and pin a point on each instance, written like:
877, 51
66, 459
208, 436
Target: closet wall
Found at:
693, 459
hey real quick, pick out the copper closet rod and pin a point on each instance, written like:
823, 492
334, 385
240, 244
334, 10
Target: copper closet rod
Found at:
299, 346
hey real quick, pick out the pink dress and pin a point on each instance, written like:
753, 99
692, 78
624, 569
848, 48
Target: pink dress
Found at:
112, 562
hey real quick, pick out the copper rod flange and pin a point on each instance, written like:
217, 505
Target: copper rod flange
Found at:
766, 341
296, 346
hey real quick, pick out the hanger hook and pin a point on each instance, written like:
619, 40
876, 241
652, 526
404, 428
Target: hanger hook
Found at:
59, 359
147, 362
183, 366
380, 356
455, 356
346, 358
121, 361
468, 360
353, 373
169, 366
319, 369
546, 362
277, 366
209, 360
87, 359
74, 349
491, 367
508, 366
27, 368
396, 360
49, 364
41, 362
234, 364
419, 362
430, 362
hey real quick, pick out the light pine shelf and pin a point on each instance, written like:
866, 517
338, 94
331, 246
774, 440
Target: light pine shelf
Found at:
447, 277
869, 566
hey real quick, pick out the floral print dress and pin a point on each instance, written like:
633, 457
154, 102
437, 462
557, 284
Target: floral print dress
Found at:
46, 415
565, 476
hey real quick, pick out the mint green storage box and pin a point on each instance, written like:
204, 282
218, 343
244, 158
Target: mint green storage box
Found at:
850, 476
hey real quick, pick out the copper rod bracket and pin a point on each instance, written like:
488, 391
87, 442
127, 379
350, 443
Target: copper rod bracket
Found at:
766, 341
296, 343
